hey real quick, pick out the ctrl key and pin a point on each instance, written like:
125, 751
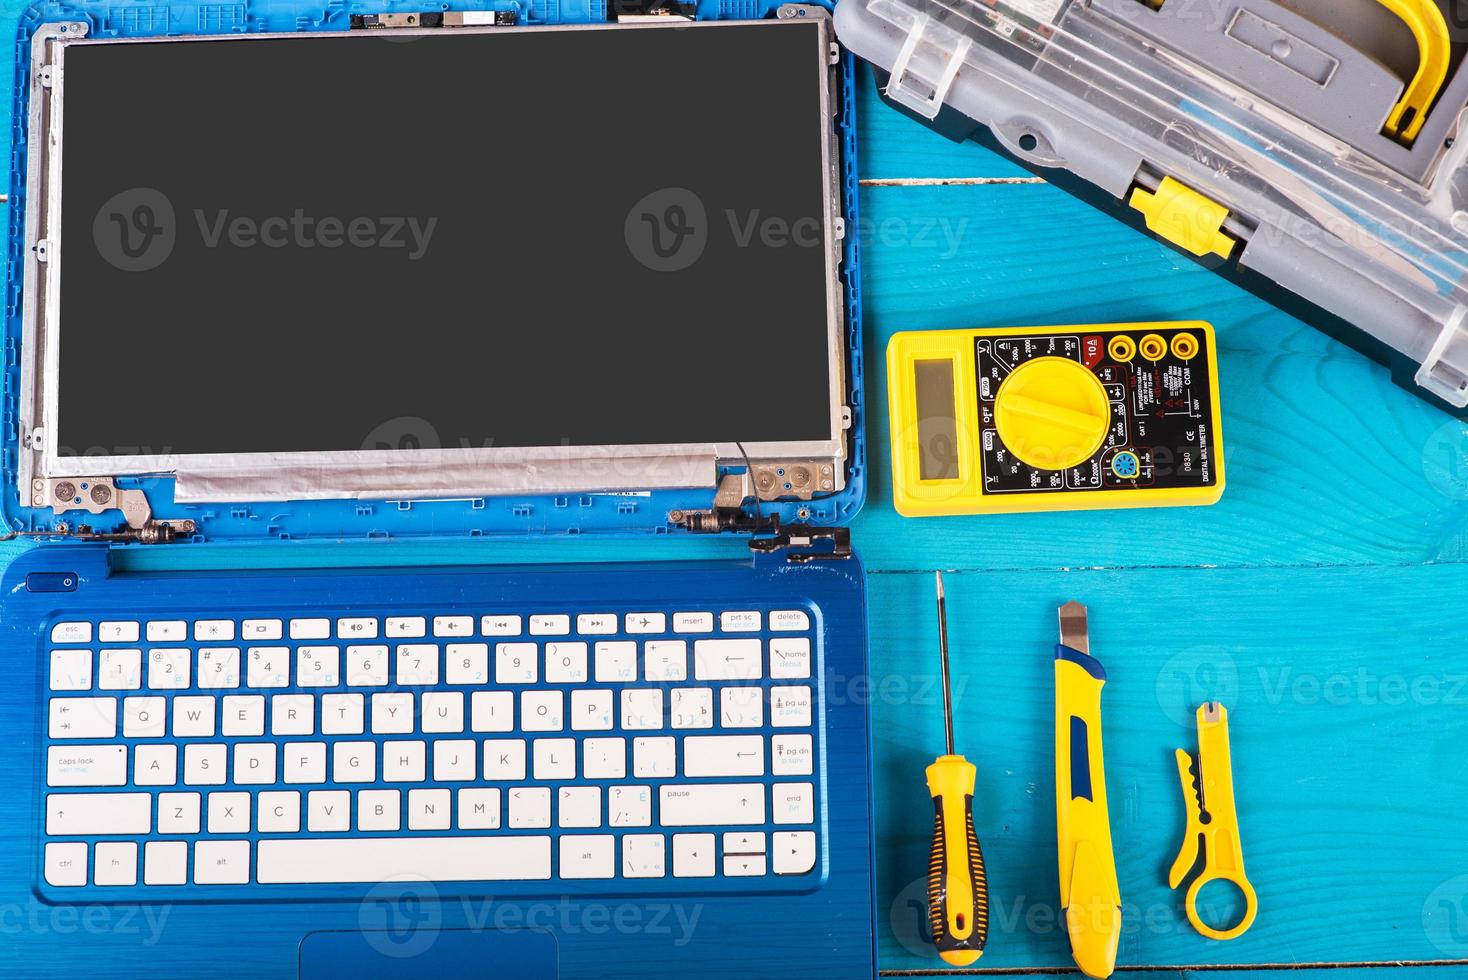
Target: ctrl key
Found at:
66, 864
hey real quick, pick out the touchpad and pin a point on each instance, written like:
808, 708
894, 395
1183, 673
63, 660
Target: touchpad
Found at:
511, 954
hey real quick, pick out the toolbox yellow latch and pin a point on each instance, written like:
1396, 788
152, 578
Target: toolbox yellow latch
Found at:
1184, 217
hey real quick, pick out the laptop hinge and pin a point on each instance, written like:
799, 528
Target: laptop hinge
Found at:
801, 544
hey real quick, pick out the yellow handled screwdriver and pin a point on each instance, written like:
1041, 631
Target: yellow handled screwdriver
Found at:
958, 891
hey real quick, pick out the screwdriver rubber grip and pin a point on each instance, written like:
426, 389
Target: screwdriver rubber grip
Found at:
958, 890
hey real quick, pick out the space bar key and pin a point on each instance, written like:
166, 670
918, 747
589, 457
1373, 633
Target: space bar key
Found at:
363, 859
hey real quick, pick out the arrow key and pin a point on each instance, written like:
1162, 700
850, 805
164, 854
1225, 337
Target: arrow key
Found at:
744, 865
794, 852
693, 855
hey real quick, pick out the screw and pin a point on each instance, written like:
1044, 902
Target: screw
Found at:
101, 494
65, 490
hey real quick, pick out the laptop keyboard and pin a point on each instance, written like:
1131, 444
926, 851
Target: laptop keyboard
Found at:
625, 747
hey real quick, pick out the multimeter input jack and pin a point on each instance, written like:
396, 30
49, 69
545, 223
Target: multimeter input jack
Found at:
1185, 346
1122, 348
1153, 347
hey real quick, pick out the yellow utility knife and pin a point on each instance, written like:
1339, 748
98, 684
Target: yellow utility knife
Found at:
1213, 823
1088, 889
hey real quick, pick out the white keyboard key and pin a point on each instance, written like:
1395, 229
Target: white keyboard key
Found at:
591, 711
168, 631
279, 813
504, 759
641, 623
260, 630
712, 804
740, 621
789, 621
451, 626
205, 765
727, 660
467, 663
693, 855
724, 755
693, 622
596, 624
642, 709
665, 660
791, 755
604, 758
116, 863
744, 842
417, 664
644, 856
379, 809
692, 707
222, 862
71, 670
267, 667
168, 668
71, 633
193, 716
254, 763
579, 807
356, 628
790, 707
479, 809
790, 658
500, 625
364, 860
556, 625
366, 666
354, 762
165, 862
565, 663
342, 714
516, 663
588, 856
629, 806
428, 809
86, 765
793, 803
142, 717
119, 670
219, 667
242, 714
542, 711
392, 714
404, 762
741, 707
530, 808
793, 851
443, 712
454, 760
744, 865
654, 757
155, 765
292, 714
310, 629
492, 711
214, 630
304, 762
178, 813
229, 813
318, 666
555, 758
406, 627
117, 632
328, 811
86, 717
94, 814
66, 864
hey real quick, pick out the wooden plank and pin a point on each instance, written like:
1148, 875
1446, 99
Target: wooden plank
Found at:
1347, 699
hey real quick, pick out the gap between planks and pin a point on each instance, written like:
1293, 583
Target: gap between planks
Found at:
946, 181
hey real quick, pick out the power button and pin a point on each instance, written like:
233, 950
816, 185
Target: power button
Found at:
50, 582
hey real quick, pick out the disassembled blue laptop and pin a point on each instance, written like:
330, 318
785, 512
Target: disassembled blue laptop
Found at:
283, 273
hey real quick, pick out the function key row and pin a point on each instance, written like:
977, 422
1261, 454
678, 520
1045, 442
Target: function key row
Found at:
411, 627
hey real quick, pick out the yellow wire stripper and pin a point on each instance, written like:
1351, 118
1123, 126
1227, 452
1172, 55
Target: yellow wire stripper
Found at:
1425, 19
1213, 823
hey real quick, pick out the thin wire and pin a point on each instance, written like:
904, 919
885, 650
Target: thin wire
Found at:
759, 517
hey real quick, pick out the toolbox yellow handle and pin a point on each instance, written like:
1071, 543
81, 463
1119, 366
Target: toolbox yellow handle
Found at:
1425, 19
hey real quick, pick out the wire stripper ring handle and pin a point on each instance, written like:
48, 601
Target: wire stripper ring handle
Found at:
1237, 879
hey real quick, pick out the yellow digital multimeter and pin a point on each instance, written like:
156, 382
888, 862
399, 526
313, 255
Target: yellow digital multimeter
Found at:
1015, 419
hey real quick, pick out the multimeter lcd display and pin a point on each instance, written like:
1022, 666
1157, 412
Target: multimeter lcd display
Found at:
522, 238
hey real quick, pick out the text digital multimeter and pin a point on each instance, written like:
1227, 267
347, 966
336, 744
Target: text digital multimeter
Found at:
1017, 419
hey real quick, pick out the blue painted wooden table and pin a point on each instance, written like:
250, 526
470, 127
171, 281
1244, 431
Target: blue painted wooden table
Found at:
1321, 600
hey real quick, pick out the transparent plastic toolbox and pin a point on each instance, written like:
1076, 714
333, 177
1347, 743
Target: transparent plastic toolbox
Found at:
1308, 145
